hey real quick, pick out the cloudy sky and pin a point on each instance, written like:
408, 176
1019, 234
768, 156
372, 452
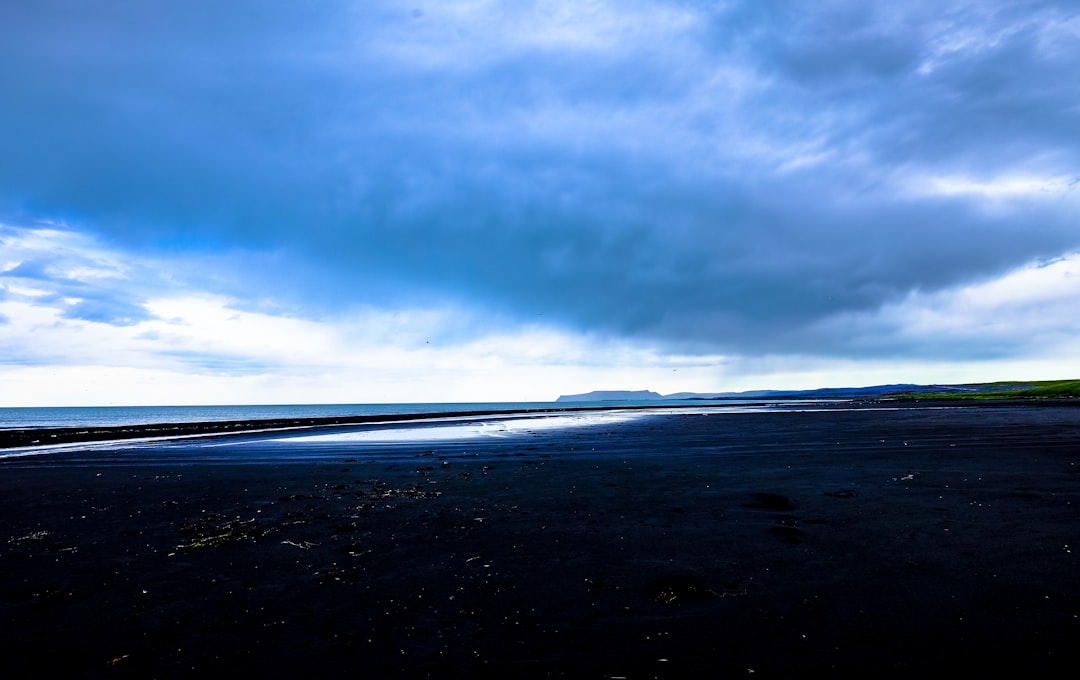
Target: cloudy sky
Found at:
282, 202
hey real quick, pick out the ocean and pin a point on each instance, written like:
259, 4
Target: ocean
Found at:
105, 416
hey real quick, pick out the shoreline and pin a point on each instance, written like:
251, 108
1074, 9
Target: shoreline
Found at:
48, 436
30, 438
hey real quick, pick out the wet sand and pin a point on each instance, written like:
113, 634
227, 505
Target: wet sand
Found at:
37, 436
844, 542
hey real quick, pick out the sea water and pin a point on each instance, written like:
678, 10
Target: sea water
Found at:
105, 416
447, 423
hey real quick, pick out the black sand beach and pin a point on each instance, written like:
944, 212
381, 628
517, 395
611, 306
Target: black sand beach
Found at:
845, 542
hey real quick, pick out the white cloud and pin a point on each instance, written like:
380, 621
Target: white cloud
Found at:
792, 372
466, 35
195, 347
1034, 306
1025, 317
199, 347
1008, 186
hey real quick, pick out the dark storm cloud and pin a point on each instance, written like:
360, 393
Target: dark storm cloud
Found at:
723, 180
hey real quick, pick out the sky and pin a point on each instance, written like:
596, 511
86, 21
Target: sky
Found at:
336, 202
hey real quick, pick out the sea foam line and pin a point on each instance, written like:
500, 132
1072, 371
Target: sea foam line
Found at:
496, 428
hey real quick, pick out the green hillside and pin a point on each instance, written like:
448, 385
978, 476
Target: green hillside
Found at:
1054, 388
1011, 389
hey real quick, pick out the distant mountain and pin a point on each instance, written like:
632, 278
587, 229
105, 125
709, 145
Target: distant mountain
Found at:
844, 392
612, 395
858, 392
871, 391
960, 390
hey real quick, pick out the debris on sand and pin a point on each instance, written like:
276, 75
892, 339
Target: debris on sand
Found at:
215, 530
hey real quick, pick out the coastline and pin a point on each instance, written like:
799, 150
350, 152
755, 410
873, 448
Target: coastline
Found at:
844, 541
47, 436
29, 437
